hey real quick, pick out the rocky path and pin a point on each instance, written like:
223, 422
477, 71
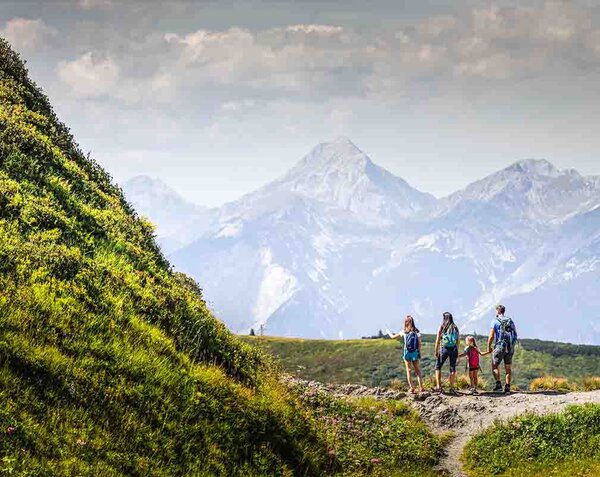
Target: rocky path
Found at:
467, 415
463, 414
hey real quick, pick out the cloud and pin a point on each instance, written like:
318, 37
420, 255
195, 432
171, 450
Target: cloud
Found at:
25, 34
296, 58
93, 4
89, 76
315, 29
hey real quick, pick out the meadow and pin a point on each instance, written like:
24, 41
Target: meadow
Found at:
378, 362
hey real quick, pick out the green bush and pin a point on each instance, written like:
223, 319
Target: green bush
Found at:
365, 434
546, 441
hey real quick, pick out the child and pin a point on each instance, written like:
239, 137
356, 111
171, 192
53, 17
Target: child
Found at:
412, 351
472, 353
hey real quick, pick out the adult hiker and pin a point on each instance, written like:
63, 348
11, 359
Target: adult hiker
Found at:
412, 351
503, 336
446, 348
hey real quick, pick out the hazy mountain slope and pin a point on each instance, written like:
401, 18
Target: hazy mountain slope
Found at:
340, 247
286, 247
110, 363
178, 221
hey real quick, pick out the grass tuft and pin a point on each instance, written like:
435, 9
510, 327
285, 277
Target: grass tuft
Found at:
537, 445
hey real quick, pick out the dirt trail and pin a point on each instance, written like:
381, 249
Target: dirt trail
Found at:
467, 415
463, 414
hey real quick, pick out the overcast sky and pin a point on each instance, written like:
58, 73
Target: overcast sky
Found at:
217, 98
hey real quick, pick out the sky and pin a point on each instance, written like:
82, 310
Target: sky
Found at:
216, 98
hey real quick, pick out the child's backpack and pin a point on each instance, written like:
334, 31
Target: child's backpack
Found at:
507, 334
412, 341
473, 357
450, 337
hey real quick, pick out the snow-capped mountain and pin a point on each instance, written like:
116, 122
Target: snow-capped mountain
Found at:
339, 247
178, 221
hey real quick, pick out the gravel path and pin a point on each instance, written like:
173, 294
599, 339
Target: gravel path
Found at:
467, 415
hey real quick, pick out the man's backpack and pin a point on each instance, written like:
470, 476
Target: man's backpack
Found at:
507, 334
412, 341
450, 337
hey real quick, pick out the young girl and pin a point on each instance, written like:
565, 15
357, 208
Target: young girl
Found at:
412, 351
472, 353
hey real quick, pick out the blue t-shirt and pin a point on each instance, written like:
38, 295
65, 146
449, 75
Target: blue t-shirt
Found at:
496, 326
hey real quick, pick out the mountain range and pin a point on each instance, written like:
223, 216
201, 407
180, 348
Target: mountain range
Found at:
339, 247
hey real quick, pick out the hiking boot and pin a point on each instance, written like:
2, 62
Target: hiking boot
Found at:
507, 388
473, 391
498, 387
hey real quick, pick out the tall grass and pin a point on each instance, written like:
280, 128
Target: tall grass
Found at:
545, 443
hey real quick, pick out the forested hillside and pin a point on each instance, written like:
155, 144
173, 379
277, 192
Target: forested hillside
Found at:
110, 362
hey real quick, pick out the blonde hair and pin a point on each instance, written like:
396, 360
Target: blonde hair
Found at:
409, 324
470, 340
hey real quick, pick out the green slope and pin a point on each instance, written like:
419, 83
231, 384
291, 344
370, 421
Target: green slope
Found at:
377, 362
110, 362
564, 444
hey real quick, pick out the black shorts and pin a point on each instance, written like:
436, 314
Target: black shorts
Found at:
447, 353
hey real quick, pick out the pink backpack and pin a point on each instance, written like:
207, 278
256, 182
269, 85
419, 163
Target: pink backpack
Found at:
473, 356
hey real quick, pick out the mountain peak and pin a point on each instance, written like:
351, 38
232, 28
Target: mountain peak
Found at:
338, 152
537, 167
339, 174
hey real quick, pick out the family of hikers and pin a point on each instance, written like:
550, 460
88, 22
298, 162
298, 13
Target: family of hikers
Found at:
500, 344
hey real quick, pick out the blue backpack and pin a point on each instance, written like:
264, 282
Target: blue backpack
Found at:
412, 341
507, 334
450, 337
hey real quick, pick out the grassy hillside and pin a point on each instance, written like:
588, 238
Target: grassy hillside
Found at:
376, 362
110, 363
564, 444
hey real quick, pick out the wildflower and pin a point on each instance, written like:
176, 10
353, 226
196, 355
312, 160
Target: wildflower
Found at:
11, 430
375, 461
80, 442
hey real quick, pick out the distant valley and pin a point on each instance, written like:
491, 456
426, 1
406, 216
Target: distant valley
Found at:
339, 247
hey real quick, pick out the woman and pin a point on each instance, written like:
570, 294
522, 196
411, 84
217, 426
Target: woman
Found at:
412, 351
446, 348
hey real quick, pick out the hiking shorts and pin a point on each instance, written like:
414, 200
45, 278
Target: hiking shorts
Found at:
447, 353
411, 355
501, 354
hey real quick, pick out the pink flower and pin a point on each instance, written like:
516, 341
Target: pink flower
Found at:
376, 461
10, 430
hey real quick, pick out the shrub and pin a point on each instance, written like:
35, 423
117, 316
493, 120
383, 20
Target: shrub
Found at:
591, 384
551, 383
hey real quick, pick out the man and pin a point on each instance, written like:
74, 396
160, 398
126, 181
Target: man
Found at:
503, 334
